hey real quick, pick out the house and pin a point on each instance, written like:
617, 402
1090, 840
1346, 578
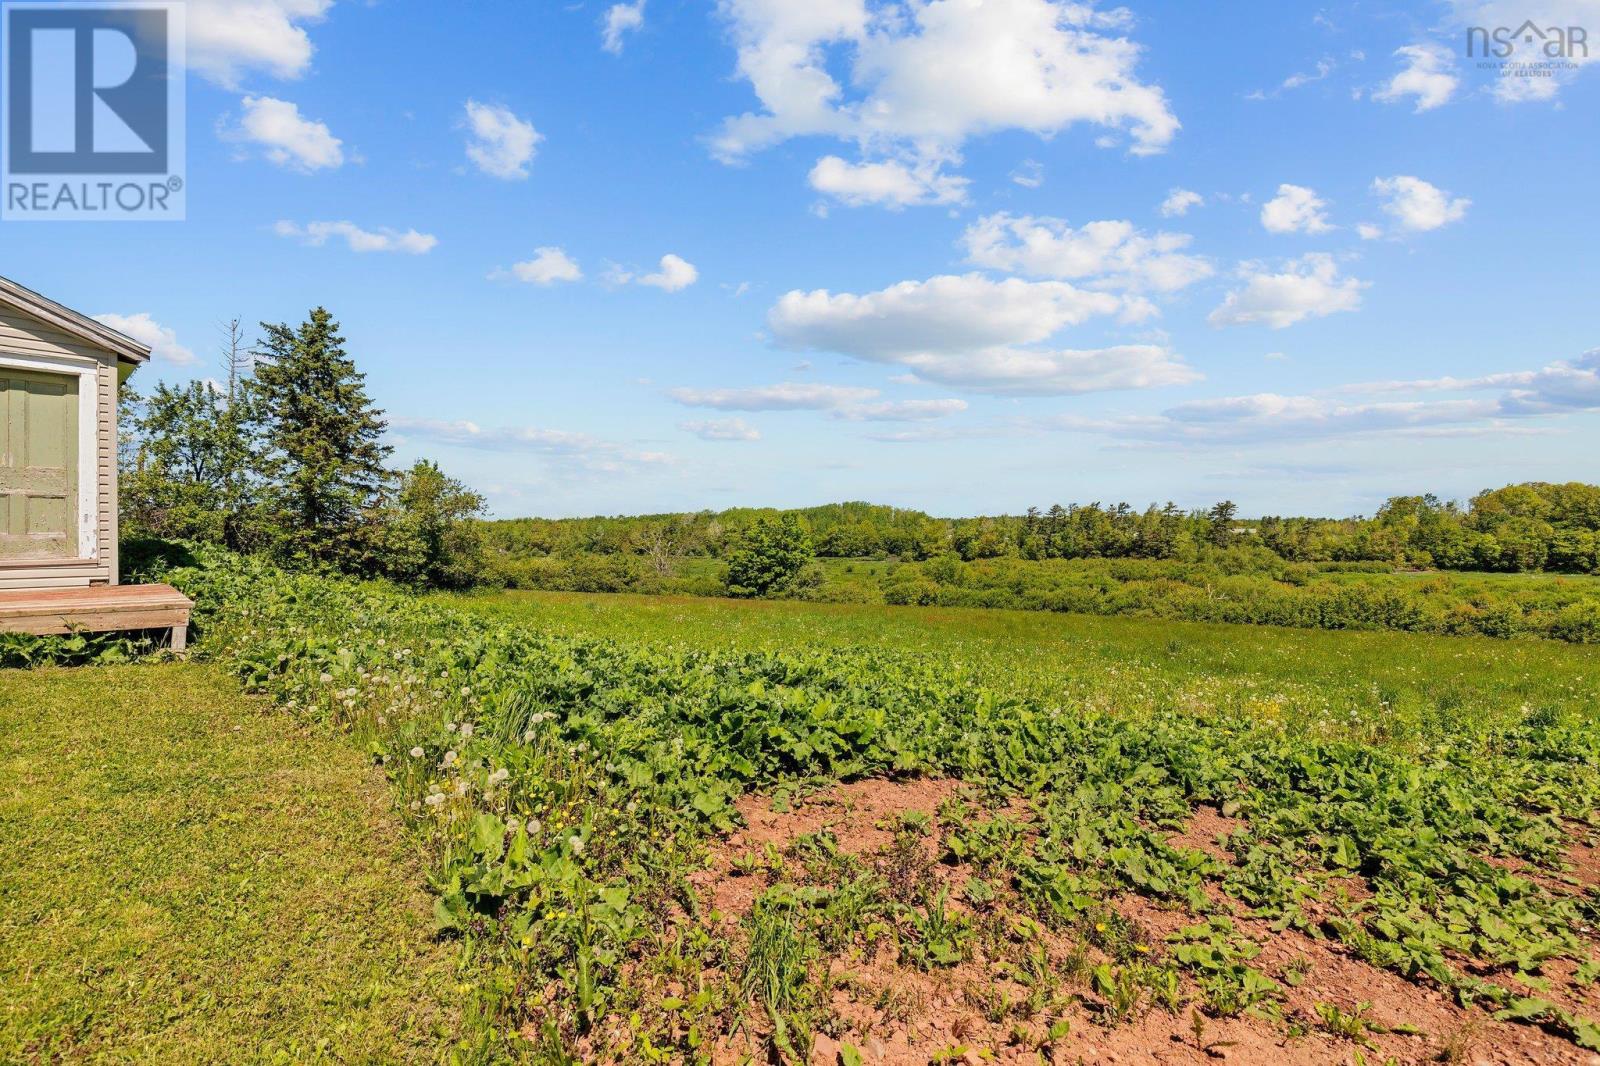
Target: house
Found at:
59, 373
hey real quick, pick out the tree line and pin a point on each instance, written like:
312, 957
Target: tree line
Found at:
1526, 527
287, 458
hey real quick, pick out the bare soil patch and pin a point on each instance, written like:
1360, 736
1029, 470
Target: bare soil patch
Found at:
988, 1007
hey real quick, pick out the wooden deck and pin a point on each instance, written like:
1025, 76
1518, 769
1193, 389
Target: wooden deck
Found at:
97, 609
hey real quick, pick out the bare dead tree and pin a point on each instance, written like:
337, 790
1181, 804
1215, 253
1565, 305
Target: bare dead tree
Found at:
238, 358
660, 548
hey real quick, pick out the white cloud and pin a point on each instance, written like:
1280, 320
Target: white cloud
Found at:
788, 396
675, 273
948, 313
1178, 202
926, 76
1271, 417
161, 340
578, 451
1296, 209
620, 19
1112, 254
1308, 287
1029, 174
357, 239
1427, 77
1297, 80
1417, 205
888, 184
1367, 231
548, 266
228, 38
970, 331
902, 410
1559, 388
853, 403
935, 434
286, 137
1054, 372
726, 429
499, 143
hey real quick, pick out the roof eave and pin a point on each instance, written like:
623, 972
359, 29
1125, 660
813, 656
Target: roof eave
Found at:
73, 322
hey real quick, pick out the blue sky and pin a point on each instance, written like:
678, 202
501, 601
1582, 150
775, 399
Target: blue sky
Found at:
962, 255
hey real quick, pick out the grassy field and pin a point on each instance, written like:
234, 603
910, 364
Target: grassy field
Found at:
626, 828
1233, 585
701, 830
187, 875
1397, 688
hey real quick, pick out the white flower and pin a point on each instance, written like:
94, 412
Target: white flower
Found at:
450, 758
534, 825
449, 727
466, 690
326, 677
416, 753
466, 730
576, 844
434, 799
498, 776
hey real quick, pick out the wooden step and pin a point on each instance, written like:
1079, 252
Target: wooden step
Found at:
97, 609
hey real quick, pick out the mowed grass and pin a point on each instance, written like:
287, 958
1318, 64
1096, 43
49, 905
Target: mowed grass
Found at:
187, 875
1379, 687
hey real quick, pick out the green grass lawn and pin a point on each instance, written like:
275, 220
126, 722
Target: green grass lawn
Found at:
187, 875
1374, 686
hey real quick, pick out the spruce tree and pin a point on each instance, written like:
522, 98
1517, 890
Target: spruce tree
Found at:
323, 438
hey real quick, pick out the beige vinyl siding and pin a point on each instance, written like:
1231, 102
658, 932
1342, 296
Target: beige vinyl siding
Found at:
19, 577
23, 335
28, 336
105, 463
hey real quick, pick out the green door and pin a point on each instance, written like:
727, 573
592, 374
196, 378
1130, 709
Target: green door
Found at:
38, 465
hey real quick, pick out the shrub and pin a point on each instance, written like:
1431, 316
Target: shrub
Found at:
1579, 623
770, 556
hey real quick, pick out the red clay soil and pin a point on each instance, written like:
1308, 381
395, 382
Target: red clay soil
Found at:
899, 1016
